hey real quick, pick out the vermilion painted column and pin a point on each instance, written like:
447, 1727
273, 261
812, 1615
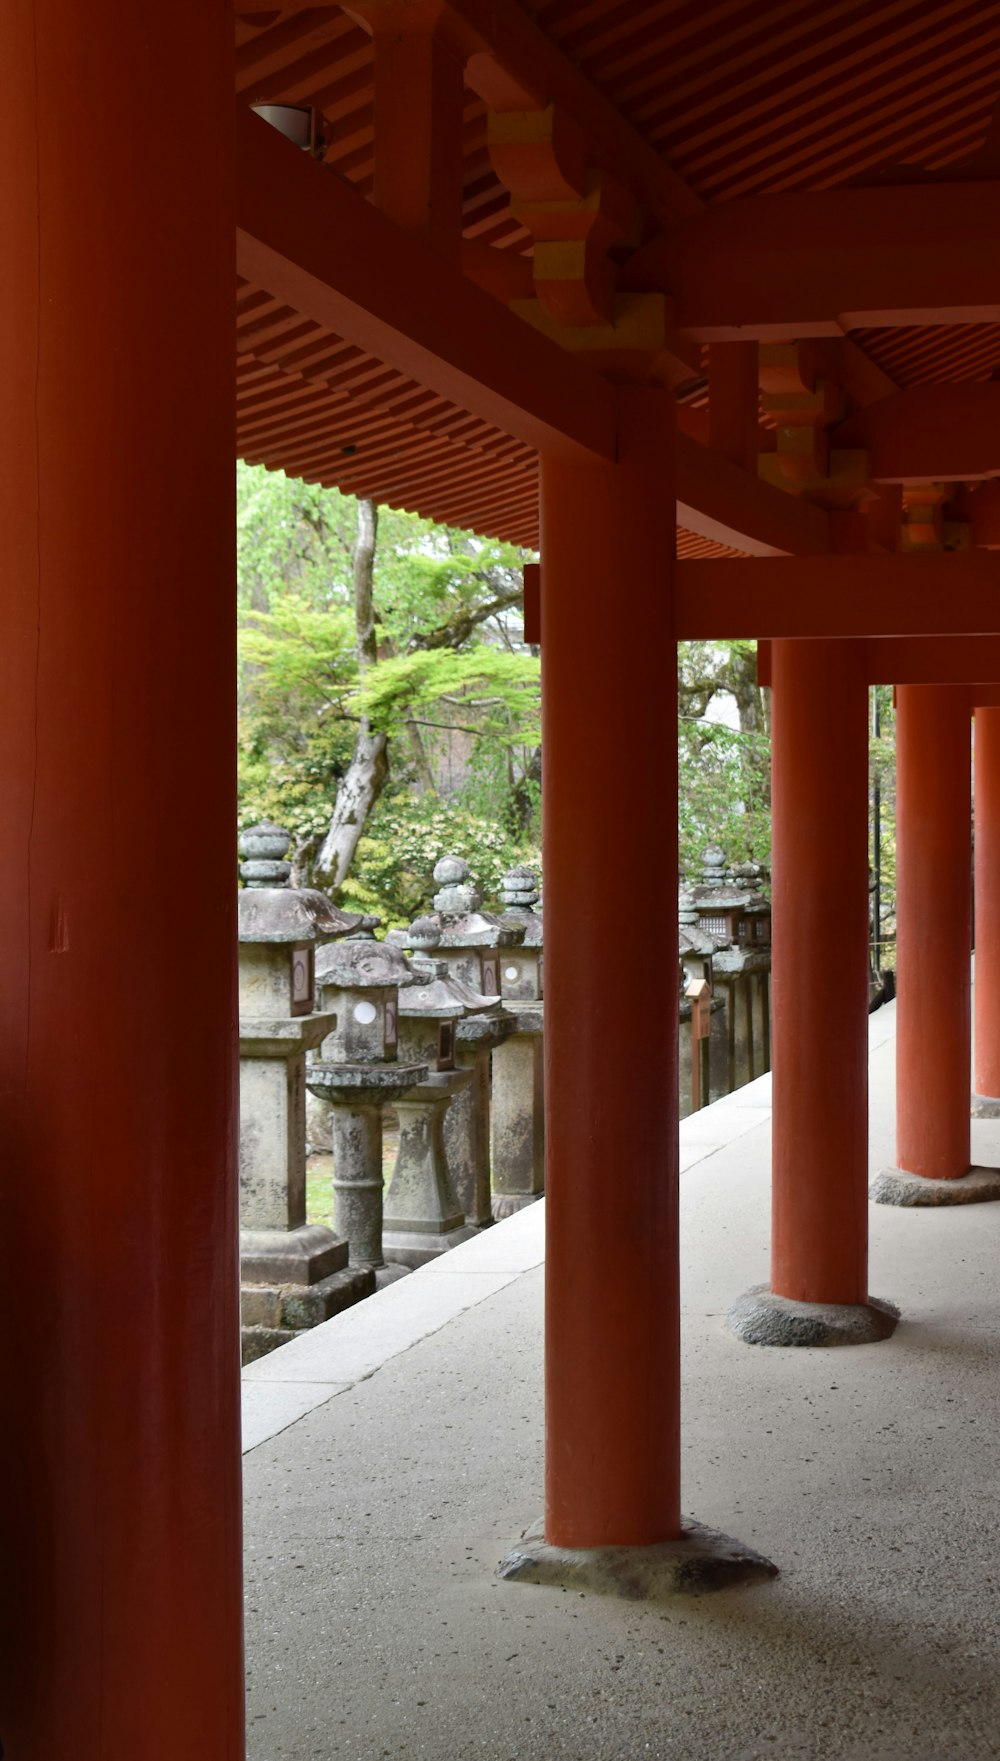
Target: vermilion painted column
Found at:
610, 784
119, 1502
933, 911
819, 734
987, 890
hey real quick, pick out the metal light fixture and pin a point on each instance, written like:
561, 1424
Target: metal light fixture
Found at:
297, 122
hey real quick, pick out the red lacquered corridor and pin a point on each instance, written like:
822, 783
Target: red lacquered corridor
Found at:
702, 302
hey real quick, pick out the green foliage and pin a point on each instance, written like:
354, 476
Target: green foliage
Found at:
494, 691
882, 770
407, 834
429, 582
720, 800
724, 772
297, 669
457, 697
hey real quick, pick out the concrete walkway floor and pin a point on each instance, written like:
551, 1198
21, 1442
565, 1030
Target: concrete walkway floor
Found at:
394, 1455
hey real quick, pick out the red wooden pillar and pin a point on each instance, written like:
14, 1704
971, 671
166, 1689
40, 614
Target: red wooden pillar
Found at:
119, 1485
987, 845
819, 731
608, 657
933, 908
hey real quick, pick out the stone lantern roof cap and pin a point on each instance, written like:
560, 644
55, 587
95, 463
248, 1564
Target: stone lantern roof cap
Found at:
269, 910
692, 940
364, 965
435, 1000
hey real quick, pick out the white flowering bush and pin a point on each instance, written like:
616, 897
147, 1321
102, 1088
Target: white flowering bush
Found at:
393, 872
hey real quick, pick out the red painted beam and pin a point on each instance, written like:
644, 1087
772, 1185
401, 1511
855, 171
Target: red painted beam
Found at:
929, 434
917, 660
312, 241
826, 596
820, 263
513, 65
721, 501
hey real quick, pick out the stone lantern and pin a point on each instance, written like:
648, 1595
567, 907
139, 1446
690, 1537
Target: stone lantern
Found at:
357, 1071
293, 1274
755, 928
472, 941
423, 1216
696, 945
718, 904
518, 1074
739, 916
467, 1120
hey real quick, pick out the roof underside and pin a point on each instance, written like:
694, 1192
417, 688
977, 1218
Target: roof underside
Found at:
740, 100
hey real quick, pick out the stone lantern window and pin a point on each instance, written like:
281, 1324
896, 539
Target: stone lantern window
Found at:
303, 979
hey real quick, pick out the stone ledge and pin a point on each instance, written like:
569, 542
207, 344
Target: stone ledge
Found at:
759, 1317
893, 1186
700, 1560
985, 1107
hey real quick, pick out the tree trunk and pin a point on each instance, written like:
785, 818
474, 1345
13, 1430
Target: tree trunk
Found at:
365, 777
754, 719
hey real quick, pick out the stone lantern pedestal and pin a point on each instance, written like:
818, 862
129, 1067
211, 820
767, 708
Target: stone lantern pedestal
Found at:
467, 1127
358, 1074
423, 1215
467, 1120
357, 1094
293, 1274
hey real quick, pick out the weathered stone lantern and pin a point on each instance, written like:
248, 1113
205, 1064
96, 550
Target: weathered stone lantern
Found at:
472, 941
293, 1274
719, 905
755, 925
518, 1124
467, 1120
423, 1216
696, 945
696, 950
357, 1071
742, 963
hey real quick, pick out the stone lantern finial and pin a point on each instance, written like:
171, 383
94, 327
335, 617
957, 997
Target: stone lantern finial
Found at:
519, 888
263, 848
687, 911
458, 895
713, 865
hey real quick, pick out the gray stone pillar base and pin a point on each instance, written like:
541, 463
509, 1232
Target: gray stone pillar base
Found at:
290, 1256
759, 1317
985, 1107
893, 1186
414, 1247
507, 1204
273, 1314
700, 1560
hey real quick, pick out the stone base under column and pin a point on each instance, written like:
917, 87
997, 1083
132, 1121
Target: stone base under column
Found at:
272, 1314
414, 1247
759, 1317
700, 1560
291, 1256
507, 1204
893, 1186
985, 1107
